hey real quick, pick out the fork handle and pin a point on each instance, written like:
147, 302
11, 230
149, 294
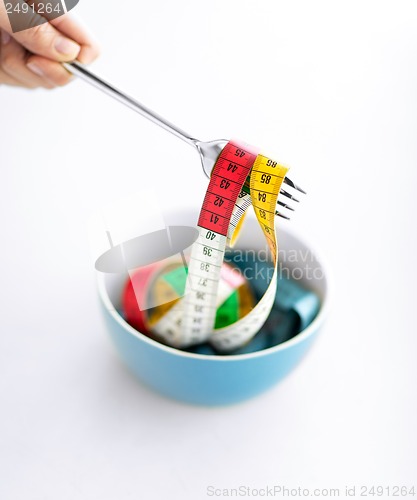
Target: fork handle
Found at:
83, 73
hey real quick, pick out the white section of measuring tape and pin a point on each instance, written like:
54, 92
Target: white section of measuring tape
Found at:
242, 204
203, 295
168, 327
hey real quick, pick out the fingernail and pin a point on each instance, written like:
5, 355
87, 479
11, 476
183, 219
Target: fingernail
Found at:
5, 37
35, 69
67, 47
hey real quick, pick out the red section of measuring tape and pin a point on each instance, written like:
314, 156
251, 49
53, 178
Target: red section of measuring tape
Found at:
229, 173
134, 295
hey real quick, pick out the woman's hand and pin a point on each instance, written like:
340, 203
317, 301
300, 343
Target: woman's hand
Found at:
31, 58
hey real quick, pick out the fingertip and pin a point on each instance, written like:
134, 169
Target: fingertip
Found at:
46, 41
89, 53
72, 27
67, 49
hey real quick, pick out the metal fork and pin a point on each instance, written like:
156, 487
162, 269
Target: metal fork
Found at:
208, 151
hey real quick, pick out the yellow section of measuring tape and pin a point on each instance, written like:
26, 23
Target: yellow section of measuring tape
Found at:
266, 180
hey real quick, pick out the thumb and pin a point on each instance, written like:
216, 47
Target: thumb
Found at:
46, 41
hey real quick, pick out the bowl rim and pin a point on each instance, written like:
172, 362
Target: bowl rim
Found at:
300, 337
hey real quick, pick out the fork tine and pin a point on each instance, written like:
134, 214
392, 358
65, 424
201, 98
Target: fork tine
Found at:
293, 185
285, 206
284, 193
289, 195
281, 215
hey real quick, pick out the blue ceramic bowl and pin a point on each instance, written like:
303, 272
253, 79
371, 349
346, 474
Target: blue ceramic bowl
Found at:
207, 379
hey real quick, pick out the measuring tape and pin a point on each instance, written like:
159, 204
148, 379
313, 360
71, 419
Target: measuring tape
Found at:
191, 320
201, 293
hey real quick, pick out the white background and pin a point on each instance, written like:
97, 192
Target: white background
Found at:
329, 88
